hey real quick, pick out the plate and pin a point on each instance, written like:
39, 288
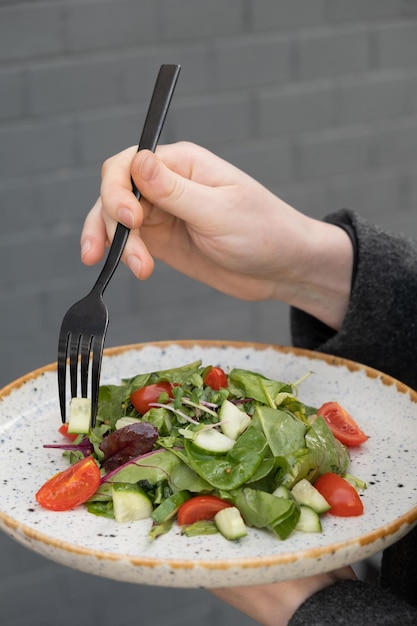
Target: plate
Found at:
384, 408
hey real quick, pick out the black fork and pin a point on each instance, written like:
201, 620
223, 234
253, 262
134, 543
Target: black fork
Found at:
84, 327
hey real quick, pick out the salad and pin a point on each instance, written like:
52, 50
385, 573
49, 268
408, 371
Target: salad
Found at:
210, 451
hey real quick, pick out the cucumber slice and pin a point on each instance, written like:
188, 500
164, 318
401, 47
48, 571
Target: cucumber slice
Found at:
305, 493
80, 416
283, 492
213, 441
230, 523
130, 502
233, 421
169, 507
126, 421
309, 521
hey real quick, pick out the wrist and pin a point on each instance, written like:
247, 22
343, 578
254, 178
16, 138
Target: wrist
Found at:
322, 283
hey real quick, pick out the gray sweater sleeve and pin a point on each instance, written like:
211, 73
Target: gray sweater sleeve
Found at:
379, 330
380, 327
354, 603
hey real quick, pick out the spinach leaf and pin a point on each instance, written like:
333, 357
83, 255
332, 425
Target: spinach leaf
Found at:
330, 455
181, 375
245, 383
263, 510
234, 468
113, 403
284, 433
158, 466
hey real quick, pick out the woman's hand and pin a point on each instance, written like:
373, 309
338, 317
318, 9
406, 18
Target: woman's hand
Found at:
211, 221
274, 604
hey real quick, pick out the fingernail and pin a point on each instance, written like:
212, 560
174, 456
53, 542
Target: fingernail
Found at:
134, 264
125, 216
148, 167
85, 246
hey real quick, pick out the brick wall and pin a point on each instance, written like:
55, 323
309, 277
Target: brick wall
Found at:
315, 98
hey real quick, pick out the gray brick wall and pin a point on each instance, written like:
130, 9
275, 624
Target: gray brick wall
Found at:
315, 98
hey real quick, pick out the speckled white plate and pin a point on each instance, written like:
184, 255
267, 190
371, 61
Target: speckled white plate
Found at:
385, 409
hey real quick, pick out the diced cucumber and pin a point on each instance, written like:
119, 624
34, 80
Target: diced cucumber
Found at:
130, 502
213, 441
230, 523
169, 507
126, 421
309, 521
80, 416
305, 493
233, 421
283, 492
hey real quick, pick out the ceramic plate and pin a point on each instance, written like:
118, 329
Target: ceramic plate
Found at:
384, 408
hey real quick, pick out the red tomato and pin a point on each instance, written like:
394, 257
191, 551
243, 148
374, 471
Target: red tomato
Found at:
63, 429
141, 398
200, 508
343, 499
342, 425
216, 378
71, 487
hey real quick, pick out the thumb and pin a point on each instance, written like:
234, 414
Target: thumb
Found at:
175, 193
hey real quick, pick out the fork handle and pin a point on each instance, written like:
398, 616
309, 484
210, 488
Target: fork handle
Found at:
154, 122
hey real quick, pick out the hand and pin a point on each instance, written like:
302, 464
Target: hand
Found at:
211, 221
274, 604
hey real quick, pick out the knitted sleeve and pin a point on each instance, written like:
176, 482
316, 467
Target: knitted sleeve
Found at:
380, 326
354, 603
379, 330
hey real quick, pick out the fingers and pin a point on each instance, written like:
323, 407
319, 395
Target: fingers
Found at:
118, 200
116, 203
93, 236
177, 179
183, 181
137, 257
94, 239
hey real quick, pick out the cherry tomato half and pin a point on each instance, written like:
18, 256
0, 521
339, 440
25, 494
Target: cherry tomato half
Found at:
342, 425
216, 378
141, 398
343, 499
70, 487
200, 508
63, 429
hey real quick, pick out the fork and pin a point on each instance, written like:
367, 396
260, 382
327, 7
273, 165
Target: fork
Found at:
84, 326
